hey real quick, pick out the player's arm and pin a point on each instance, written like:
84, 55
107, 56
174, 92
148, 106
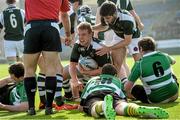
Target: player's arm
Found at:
65, 19
137, 19
135, 73
1, 22
135, 15
90, 72
5, 81
23, 106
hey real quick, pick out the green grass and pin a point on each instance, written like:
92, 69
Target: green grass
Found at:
172, 108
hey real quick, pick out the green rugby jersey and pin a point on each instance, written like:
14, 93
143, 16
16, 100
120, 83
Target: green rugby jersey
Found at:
103, 82
18, 94
12, 19
154, 70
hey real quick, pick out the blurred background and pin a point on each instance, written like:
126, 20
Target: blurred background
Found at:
160, 17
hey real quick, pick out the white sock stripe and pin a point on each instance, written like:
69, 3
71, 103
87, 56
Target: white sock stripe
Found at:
42, 93
59, 85
49, 91
67, 90
65, 81
66, 85
42, 76
57, 94
41, 84
60, 78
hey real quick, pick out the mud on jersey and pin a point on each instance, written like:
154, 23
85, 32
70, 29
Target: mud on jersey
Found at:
12, 19
103, 82
79, 50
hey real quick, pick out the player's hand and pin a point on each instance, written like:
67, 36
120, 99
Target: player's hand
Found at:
141, 26
77, 84
1, 105
68, 40
102, 51
80, 108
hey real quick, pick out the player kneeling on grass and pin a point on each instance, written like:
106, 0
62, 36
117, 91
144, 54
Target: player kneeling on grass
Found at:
12, 93
103, 96
85, 47
154, 70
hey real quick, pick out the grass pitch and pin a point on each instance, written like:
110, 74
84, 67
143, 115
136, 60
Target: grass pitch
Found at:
171, 108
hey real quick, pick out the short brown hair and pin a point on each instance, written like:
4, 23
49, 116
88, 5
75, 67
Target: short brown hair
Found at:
10, 1
108, 8
85, 26
17, 69
109, 69
147, 44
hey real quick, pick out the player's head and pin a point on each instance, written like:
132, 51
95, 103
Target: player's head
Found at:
109, 69
84, 10
108, 11
16, 71
85, 33
147, 44
10, 1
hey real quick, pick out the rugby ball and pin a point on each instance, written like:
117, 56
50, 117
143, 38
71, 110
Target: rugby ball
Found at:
88, 63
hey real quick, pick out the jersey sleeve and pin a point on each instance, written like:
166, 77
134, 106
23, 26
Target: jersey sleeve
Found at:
128, 27
135, 72
1, 20
65, 6
75, 54
23, 15
129, 6
23, 94
170, 58
102, 60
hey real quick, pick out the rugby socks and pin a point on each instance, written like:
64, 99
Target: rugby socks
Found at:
58, 93
50, 85
131, 109
41, 87
97, 109
30, 87
67, 88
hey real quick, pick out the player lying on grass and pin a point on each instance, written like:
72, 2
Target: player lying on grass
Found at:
103, 96
12, 93
154, 70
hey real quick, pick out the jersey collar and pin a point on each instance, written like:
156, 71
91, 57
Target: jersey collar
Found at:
150, 53
11, 5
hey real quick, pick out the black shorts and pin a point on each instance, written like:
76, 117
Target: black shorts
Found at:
5, 92
98, 96
42, 36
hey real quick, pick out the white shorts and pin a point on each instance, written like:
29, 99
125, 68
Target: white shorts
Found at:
13, 48
132, 47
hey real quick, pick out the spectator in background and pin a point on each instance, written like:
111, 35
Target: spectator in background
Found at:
12, 19
42, 37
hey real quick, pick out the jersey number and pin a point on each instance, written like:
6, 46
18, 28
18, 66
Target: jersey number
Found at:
158, 69
13, 20
106, 80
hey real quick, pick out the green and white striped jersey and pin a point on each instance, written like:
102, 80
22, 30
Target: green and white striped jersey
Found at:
18, 94
103, 82
154, 70
12, 19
